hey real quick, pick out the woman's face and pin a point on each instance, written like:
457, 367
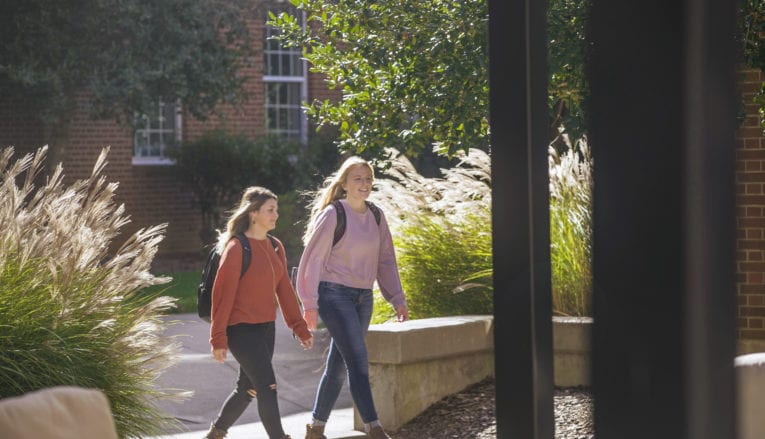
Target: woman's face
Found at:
358, 184
267, 215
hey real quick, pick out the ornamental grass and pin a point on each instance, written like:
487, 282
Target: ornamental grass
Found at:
442, 233
71, 310
571, 187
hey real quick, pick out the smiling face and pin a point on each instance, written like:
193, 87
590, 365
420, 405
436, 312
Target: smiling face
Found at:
265, 217
358, 184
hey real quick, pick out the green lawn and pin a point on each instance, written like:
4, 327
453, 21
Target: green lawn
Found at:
183, 287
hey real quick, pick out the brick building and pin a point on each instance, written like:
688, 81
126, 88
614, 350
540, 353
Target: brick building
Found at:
277, 81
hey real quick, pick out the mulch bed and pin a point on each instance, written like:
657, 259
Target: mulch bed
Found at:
471, 414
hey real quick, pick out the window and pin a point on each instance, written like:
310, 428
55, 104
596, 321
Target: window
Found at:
155, 132
285, 86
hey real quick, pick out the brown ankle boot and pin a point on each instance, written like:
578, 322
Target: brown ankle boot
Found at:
312, 432
378, 433
215, 433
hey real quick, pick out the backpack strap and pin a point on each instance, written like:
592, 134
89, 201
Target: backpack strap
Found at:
340, 210
340, 227
273, 242
375, 211
246, 252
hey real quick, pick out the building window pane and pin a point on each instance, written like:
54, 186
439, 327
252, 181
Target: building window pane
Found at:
285, 85
283, 109
155, 132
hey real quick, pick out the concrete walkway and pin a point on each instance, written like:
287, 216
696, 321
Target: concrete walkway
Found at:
297, 376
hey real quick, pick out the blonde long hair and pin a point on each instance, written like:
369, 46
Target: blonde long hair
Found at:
332, 190
239, 221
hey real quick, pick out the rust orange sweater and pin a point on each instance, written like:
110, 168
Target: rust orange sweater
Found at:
253, 298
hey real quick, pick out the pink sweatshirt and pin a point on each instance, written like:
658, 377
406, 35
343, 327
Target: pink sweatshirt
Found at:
364, 254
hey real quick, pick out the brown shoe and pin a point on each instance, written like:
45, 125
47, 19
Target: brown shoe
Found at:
215, 433
378, 433
312, 432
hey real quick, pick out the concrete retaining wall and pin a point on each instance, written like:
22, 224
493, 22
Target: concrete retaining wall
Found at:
572, 351
417, 363
750, 380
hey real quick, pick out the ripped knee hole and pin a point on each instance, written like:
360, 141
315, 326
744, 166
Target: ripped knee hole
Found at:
254, 394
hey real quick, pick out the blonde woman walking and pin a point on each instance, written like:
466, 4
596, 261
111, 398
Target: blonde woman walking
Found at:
335, 282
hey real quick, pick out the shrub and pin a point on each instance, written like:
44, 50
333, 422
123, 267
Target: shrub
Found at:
70, 310
289, 229
442, 234
571, 229
219, 165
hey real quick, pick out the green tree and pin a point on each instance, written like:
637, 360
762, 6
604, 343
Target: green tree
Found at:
567, 49
415, 73
126, 54
412, 72
751, 28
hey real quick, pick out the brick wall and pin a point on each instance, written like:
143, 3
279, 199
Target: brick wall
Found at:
152, 195
247, 117
750, 218
19, 127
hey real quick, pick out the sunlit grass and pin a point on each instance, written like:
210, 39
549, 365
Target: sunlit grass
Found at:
182, 287
442, 233
571, 230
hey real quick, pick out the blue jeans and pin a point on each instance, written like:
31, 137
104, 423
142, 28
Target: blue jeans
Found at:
252, 344
346, 312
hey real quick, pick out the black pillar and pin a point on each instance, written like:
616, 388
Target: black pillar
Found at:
662, 126
521, 240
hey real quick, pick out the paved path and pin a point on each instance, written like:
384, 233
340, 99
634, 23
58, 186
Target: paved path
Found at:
297, 376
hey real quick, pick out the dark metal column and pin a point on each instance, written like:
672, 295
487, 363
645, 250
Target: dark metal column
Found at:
521, 225
662, 123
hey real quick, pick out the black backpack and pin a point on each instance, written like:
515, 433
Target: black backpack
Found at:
210, 270
340, 227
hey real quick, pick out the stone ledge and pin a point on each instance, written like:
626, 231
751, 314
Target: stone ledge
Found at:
428, 339
750, 382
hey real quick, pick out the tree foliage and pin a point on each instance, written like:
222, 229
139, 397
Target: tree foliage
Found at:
126, 53
412, 72
415, 73
567, 50
751, 28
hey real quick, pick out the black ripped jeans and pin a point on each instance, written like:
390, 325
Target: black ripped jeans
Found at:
252, 344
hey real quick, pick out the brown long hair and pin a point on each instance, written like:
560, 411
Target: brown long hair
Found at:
332, 190
239, 221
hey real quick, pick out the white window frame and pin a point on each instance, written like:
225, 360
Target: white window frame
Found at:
302, 80
176, 134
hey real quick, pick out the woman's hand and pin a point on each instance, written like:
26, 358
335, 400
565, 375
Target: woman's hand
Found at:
307, 343
402, 313
219, 354
311, 317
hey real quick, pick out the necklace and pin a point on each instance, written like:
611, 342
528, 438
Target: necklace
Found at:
268, 258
